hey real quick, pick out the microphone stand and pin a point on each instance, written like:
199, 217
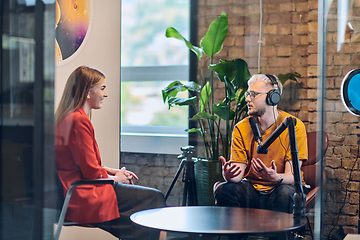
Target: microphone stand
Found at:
299, 196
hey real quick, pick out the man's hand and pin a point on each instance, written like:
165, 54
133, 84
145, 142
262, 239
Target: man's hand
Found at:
265, 173
229, 170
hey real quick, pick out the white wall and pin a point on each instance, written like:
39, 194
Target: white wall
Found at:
101, 49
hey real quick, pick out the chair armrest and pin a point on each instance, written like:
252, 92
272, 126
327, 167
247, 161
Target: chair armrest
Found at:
310, 199
68, 196
93, 182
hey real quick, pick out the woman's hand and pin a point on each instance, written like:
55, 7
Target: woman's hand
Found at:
125, 176
111, 171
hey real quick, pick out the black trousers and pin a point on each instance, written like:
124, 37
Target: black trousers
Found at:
243, 194
131, 199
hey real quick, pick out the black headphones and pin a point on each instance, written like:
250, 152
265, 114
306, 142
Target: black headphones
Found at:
273, 96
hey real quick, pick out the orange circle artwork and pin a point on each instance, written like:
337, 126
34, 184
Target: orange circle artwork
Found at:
72, 24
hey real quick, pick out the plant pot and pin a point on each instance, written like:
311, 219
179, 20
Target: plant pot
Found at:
207, 172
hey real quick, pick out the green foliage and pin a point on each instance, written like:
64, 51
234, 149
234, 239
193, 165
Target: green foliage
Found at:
234, 74
212, 42
284, 77
172, 32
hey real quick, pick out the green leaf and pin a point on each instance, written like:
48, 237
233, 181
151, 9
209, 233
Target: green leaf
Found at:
194, 130
182, 101
223, 111
236, 71
242, 74
172, 90
224, 68
175, 87
230, 90
240, 95
292, 76
205, 96
240, 99
212, 42
193, 86
173, 33
203, 115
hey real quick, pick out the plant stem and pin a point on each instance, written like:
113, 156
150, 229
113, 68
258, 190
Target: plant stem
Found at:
219, 136
202, 127
202, 73
207, 148
212, 127
226, 146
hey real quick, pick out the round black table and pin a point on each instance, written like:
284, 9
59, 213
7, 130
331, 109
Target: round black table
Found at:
217, 220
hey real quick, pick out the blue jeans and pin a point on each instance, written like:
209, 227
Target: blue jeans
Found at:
243, 194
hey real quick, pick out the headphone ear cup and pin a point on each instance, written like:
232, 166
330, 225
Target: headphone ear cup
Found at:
273, 97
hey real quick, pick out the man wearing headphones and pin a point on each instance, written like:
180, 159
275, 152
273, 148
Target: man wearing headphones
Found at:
256, 180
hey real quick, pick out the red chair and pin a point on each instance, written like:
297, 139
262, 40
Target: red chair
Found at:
309, 170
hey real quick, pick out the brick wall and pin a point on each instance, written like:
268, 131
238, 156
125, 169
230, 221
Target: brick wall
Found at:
157, 171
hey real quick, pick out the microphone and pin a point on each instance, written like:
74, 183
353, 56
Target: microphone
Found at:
263, 148
255, 130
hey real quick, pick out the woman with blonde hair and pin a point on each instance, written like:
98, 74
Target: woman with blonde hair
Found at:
78, 158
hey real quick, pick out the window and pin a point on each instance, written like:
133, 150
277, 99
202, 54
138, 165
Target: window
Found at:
149, 62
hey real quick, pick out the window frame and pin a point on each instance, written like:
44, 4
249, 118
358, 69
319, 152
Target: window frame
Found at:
162, 140
153, 139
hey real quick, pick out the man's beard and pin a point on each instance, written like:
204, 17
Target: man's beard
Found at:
258, 113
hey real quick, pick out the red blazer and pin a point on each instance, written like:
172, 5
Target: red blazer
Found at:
77, 158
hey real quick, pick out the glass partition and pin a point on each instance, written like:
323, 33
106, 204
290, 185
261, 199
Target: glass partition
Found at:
338, 62
26, 119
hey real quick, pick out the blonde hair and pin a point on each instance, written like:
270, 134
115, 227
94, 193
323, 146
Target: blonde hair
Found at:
264, 78
76, 90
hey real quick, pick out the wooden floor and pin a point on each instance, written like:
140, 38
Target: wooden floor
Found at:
352, 237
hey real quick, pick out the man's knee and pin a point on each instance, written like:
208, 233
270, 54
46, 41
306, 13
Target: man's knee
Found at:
283, 199
223, 189
219, 193
285, 191
220, 188
225, 194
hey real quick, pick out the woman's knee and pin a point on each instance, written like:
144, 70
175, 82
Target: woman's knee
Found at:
157, 196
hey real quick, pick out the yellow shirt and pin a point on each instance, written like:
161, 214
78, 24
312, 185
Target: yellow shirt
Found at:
243, 149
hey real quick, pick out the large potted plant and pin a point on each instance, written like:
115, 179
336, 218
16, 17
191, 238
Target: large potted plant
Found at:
211, 115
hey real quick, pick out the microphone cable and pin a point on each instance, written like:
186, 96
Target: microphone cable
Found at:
281, 141
276, 128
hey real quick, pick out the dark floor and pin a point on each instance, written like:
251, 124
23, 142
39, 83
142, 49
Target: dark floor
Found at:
17, 222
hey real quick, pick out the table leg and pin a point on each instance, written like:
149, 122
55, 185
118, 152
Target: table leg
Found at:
212, 237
